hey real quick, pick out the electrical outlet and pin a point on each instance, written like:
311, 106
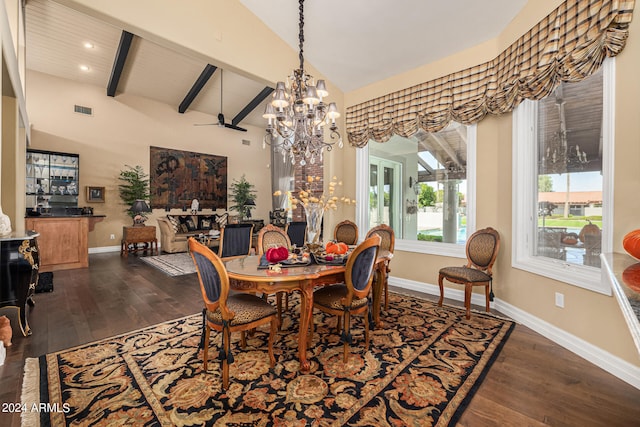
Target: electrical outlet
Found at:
112, 237
559, 300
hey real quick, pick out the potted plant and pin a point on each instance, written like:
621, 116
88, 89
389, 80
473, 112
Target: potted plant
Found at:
243, 196
134, 186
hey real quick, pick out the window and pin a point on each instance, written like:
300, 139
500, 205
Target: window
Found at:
422, 187
562, 174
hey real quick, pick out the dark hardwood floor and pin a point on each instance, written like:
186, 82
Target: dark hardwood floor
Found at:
534, 382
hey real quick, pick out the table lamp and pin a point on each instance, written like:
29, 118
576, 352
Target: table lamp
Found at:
139, 207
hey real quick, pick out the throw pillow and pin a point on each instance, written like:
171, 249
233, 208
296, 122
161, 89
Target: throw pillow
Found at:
175, 223
206, 222
188, 222
222, 220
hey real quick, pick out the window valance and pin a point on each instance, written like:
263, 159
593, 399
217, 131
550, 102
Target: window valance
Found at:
568, 45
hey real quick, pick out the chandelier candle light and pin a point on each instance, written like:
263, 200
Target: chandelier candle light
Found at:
315, 206
297, 114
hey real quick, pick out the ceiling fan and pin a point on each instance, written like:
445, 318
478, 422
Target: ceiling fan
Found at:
221, 122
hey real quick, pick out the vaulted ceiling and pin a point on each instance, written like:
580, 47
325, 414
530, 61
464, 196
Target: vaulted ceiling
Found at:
342, 39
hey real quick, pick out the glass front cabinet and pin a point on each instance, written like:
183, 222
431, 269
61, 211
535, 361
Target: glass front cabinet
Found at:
52, 180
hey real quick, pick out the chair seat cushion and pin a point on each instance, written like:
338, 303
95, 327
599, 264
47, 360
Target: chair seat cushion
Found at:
247, 308
465, 274
331, 296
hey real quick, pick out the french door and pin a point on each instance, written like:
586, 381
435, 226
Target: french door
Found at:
385, 194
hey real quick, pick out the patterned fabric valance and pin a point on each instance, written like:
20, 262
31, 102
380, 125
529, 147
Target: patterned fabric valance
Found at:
568, 45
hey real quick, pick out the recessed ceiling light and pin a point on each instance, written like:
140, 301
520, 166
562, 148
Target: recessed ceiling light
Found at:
89, 45
85, 68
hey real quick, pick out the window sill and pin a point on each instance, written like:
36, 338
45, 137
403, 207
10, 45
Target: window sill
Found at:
586, 277
442, 249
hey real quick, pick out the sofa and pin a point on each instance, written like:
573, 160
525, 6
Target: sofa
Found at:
176, 229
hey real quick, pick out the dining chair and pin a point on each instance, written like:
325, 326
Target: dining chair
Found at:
352, 296
226, 312
482, 250
347, 232
297, 232
235, 240
271, 236
388, 244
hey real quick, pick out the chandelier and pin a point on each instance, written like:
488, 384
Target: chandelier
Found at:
558, 156
297, 115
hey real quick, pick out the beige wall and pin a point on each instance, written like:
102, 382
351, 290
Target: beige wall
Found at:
593, 317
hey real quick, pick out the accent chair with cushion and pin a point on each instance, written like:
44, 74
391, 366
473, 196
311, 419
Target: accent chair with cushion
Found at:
235, 240
388, 243
346, 232
271, 236
228, 312
352, 296
297, 232
482, 250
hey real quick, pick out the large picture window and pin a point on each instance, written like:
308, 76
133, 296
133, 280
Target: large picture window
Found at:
562, 149
421, 186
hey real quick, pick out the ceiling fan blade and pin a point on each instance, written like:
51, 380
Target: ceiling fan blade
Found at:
234, 127
206, 124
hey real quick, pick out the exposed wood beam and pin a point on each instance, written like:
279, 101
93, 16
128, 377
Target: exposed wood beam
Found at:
447, 149
118, 64
252, 105
197, 87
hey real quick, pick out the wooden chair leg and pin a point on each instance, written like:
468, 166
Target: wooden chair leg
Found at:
243, 338
205, 351
225, 364
467, 299
272, 335
440, 280
386, 291
486, 294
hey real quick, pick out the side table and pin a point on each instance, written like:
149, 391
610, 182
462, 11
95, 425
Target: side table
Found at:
132, 235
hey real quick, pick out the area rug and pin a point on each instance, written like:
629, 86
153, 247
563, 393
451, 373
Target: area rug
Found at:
172, 264
422, 368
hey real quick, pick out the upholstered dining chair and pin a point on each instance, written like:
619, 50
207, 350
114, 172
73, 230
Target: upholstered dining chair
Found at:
352, 296
482, 250
297, 232
271, 236
226, 312
346, 232
235, 240
388, 243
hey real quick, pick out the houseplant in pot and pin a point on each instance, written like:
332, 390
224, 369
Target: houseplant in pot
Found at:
243, 195
134, 187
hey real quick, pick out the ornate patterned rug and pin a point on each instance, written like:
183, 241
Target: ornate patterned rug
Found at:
422, 368
172, 264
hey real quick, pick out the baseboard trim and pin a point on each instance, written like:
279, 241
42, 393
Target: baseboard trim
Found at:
104, 249
620, 368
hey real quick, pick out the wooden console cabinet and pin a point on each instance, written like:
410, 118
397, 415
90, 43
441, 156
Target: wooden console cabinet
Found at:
63, 242
133, 235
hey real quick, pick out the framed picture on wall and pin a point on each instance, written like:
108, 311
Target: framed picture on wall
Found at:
95, 194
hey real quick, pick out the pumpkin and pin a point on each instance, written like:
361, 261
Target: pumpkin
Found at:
631, 243
277, 254
338, 248
588, 229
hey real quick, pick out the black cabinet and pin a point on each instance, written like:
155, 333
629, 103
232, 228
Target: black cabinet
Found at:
19, 262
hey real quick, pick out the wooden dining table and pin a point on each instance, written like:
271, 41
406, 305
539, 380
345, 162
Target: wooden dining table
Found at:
245, 276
